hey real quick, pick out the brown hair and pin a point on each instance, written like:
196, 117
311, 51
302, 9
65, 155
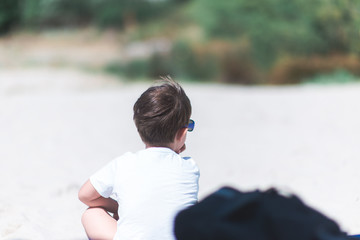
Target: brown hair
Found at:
161, 111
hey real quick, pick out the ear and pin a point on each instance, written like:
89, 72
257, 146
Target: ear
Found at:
181, 133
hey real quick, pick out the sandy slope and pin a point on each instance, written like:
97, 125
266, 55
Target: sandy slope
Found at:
59, 126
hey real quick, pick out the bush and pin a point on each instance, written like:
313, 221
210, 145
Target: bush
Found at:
138, 68
226, 61
69, 13
192, 61
205, 67
339, 77
293, 71
236, 69
122, 13
182, 61
236, 64
210, 61
281, 27
115, 68
10, 13
160, 65
37, 14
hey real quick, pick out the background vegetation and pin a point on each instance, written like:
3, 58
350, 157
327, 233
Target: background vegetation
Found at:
233, 41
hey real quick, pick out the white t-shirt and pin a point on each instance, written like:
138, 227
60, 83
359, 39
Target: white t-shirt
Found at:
151, 186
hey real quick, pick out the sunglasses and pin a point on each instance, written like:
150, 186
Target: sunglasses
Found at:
191, 125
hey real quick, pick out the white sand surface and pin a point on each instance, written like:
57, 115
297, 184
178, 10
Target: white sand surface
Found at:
57, 127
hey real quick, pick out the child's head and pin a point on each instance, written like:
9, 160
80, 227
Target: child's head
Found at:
160, 112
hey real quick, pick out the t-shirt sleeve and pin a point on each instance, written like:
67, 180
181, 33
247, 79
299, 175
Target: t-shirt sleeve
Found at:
104, 179
193, 175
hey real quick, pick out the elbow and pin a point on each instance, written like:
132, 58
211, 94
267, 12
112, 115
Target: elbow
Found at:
81, 196
88, 194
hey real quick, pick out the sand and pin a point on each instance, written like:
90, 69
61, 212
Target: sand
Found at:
58, 126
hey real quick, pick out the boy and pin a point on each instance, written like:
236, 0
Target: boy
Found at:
150, 187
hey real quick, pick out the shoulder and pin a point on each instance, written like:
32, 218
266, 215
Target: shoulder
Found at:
189, 160
124, 157
190, 164
119, 161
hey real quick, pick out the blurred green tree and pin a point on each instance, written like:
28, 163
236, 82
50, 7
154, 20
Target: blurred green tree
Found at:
103, 13
280, 27
9, 15
37, 14
123, 13
56, 13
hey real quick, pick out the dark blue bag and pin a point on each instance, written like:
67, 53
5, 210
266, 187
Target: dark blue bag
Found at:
229, 214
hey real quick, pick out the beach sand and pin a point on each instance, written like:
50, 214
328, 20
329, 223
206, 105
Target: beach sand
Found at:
58, 126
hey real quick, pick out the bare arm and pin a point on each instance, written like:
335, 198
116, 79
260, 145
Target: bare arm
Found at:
92, 198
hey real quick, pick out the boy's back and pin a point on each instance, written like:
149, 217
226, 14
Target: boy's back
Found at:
151, 186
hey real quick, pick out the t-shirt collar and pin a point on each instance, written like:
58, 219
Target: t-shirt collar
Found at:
160, 149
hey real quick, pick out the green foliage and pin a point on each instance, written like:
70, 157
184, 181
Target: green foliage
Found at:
236, 68
183, 58
339, 76
69, 13
31, 12
55, 13
115, 68
160, 65
9, 15
280, 27
189, 62
182, 61
295, 70
120, 13
258, 35
138, 68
